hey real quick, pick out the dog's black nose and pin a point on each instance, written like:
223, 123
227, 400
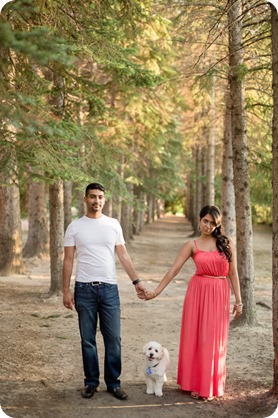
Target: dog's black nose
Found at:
151, 355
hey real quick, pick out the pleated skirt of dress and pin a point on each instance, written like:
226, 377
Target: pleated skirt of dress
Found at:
204, 336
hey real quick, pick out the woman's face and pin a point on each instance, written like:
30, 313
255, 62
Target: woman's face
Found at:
207, 225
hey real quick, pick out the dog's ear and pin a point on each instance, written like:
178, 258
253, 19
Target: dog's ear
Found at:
145, 348
163, 352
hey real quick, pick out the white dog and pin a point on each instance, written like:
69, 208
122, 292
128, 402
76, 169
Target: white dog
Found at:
156, 364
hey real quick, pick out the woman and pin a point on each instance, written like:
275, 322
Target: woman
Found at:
205, 318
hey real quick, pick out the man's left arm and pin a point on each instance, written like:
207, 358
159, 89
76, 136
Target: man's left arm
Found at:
129, 268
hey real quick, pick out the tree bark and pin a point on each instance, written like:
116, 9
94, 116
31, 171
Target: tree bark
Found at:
211, 149
10, 231
244, 231
108, 208
159, 208
56, 197
199, 187
126, 217
228, 191
81, 209
67, 203
274, 24
138, 211
187, 203
37, 244
56, 200
10, 216
149, 209
117, 208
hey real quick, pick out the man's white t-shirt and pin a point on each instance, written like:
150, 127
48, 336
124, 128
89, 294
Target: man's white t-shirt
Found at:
95, 241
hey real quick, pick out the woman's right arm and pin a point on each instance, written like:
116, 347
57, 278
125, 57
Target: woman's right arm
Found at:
184, 254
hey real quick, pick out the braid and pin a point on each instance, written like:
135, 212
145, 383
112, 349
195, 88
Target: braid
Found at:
222, 243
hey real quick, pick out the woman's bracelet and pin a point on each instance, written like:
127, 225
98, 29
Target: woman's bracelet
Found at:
136, 281
238, 307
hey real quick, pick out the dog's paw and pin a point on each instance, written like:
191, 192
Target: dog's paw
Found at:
149, 392
158, 393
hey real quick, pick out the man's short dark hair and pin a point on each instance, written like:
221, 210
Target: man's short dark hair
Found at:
93, 186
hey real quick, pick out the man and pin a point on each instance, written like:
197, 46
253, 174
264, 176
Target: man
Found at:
95, 238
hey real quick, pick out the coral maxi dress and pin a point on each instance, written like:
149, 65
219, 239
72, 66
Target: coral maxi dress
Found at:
205, 326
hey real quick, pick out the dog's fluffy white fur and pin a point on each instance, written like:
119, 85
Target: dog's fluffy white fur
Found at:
157, 361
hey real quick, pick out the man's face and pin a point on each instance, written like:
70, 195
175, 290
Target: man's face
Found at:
94, 201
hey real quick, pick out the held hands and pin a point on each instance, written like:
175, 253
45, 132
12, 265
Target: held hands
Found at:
150, 294
144, 293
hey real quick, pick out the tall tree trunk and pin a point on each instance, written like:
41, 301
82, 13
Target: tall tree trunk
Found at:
244, 231
187, 203
126, 217
274, 23
137, 214
211, 149
56, 200
117, 208
108, 208
67, 203
117, 201
202, 174
37, 244
149, 209
81, 208
143, 213
10, 217
159, 208
199, 187
10, 229
228, 191
56, 197
193, 188
153, 206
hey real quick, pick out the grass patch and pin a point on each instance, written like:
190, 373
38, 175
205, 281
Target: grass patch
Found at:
51, 316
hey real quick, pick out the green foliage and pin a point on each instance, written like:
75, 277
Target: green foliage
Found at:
32, 44
120, 91
129, 73
241, 71
37, 139
260, 172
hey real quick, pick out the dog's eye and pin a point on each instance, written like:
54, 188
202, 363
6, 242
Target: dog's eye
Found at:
156, 351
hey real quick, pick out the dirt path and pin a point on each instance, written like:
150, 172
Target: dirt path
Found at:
41, 373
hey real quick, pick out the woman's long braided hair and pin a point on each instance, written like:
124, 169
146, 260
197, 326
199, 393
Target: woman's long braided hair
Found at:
222, 242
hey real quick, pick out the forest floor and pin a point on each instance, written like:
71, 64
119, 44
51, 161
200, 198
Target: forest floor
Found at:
41, 370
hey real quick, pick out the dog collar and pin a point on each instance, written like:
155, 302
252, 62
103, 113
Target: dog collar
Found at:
149, 369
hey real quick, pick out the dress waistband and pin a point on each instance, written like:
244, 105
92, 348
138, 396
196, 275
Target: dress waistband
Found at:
213, 277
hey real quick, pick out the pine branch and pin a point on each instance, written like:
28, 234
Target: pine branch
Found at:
258, 104
256, 40
258, 23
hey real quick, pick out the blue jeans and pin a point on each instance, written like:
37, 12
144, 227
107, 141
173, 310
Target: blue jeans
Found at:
92, 302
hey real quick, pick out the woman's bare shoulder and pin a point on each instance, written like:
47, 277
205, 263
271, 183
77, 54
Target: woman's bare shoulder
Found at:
189, 245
